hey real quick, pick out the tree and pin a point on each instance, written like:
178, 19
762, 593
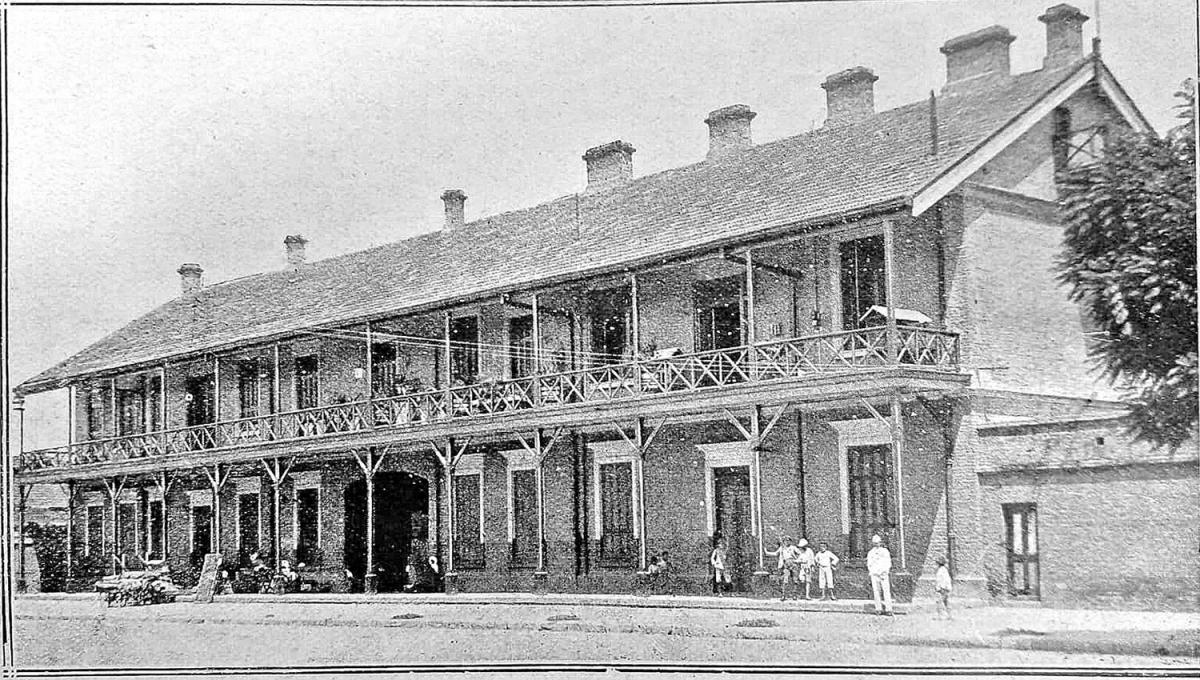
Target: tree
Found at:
1130, 260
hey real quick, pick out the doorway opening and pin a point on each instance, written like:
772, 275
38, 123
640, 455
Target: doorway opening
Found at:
731, 512
401, 527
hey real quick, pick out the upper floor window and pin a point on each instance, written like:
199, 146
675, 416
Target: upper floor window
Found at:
307, 382
520, 346
464, 350
94, 409
201, 407
611, 323
248, 387
863, 278
384, 369
718, 313
131, 411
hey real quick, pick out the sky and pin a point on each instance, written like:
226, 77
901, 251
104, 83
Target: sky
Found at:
146, 137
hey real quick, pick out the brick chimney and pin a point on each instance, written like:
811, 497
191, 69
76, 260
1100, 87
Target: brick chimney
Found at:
189, 278
1064, 35
294, 245
849, 95
608, 164
455, 201
729, 130
978, 54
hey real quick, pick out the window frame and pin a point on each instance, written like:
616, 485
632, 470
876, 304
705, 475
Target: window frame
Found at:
298, 376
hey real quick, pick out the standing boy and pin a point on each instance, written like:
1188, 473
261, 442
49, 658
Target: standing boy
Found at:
943, 585
788, 555
806, 561
879, 566
826, 563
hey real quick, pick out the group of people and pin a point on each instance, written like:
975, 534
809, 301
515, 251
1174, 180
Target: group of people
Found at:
797, 563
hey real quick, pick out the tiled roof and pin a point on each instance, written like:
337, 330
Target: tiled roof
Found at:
883, 158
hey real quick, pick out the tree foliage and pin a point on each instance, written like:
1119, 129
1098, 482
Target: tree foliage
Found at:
1130, 260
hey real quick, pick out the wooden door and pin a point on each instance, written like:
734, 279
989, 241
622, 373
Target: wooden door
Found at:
1021, 542
732, 512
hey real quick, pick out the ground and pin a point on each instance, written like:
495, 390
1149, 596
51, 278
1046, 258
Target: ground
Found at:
80, 632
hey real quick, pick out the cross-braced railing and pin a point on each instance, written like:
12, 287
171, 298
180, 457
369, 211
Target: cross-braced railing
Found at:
791, 359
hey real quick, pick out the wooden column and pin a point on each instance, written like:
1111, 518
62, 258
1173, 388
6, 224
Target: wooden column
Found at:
277, 473
70, 533
889, 275
635, 315
751, 334
276, 397
898, 453
217, 477
756, 434
114, 487
162, 404
538, 448
640, 443
449, 404
112, 406
370, 372
72, 395
23, 500
216, 394
164, 484
370, 465
537, 337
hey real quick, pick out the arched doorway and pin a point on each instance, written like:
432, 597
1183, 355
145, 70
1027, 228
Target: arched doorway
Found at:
401, 523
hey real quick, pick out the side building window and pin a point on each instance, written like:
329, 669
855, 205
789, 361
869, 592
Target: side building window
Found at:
871, 490
1060, 139
1021, 543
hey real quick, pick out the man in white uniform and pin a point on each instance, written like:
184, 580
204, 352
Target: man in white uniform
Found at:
879, 566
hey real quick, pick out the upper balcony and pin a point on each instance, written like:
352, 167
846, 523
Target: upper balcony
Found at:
636, 383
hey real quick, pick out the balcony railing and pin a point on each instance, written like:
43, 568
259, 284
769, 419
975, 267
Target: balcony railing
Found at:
768, 361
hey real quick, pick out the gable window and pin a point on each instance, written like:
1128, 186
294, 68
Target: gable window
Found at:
520, 346
611, 324
464, 350
308, 383
468, 543
871, 481
248, 388
718, 313
862, 275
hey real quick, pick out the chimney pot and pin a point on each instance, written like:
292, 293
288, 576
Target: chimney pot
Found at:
1064, 34
294, 246
982, 53
189, 278
455, 201
608, 164
849, 95
729, 130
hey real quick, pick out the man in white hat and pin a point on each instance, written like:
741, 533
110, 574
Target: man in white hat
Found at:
879, 566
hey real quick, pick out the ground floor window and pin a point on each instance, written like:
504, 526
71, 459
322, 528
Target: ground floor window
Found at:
618, 546
871, 482
127, 528
94, 531
248, 525
202, 530
1021, 543
524, 518
154, 527
468, 546
308, 503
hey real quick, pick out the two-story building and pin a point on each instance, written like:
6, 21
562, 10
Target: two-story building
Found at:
852, 331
